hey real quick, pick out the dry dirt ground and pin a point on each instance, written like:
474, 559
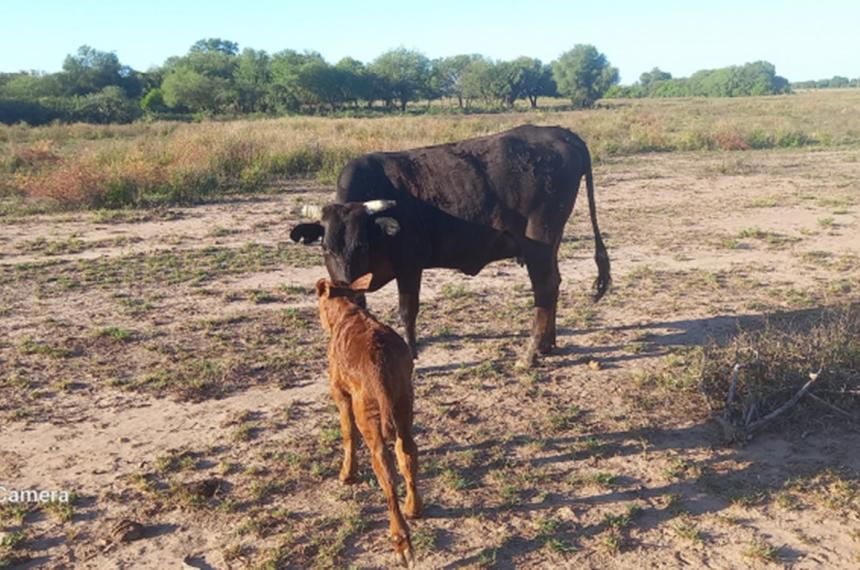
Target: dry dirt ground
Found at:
142, 353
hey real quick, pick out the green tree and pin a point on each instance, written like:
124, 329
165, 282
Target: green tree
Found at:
320, 84
535, 80
203, 79
110, 105
252, 80
650, 80
475, 80
405, 74
446, 76
31, 86
583, 74
90, 70
286, 65
185, 88
357, 81
153, 102
215, 45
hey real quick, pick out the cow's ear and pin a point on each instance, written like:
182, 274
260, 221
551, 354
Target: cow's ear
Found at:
388, 225
307, 233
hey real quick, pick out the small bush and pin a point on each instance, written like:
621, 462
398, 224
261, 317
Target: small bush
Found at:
778, 359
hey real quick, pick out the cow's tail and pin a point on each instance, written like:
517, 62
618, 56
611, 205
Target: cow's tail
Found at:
604, 279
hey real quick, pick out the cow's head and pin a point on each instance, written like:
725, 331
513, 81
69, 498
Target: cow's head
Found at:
348, 232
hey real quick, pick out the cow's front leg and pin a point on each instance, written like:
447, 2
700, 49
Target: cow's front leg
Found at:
408, 287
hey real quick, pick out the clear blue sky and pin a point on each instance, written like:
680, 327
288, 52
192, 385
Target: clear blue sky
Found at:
804, 40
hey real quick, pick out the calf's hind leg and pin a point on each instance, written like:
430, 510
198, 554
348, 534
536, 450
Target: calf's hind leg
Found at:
383, 468
407, 460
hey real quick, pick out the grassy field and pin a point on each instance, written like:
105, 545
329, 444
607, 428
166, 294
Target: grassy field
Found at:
167, 364
67, 166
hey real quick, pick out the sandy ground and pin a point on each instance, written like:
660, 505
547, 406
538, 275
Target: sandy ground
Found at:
146, 351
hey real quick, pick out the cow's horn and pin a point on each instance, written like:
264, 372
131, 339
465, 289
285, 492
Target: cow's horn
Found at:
313, 212
376, 206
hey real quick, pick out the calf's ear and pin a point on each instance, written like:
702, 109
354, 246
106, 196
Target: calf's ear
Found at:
388, 225
322, 288
307, 233
362, 284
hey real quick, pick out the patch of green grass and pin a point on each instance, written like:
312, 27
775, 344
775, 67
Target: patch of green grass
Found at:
827, 222
195, 266
761, 550
486, 558
599, 479
610, 541
423, 540
451, 291
116, 333
13, 540
12, 514
33, 347
173, 461
624, 519
244, 431
61, 511
56, 247
259, 297
564, 419
455, 479
685, 528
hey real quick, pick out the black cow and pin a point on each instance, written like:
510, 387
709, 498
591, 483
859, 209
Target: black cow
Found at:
460, 205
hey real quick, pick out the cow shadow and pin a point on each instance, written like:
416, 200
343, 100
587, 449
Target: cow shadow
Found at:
659, 338
726, 476
713, 491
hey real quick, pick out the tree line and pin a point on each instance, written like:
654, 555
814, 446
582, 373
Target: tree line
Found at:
835, 82
216, 78
751, 79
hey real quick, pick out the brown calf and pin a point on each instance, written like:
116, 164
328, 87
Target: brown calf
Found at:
370, 369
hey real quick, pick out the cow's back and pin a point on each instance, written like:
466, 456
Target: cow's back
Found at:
496, 181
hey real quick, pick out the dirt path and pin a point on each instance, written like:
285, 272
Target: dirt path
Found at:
142, 352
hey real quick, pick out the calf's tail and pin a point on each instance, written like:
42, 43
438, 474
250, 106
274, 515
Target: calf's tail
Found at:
604, 279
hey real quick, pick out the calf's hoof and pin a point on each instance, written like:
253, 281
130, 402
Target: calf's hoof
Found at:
403, 551
347, 478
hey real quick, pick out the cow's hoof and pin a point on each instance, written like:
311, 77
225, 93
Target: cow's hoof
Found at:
347, 478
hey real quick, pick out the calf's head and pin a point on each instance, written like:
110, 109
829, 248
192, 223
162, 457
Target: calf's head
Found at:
349, 233
327, 290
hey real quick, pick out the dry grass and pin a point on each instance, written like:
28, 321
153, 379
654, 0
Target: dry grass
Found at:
778, 359
154, 163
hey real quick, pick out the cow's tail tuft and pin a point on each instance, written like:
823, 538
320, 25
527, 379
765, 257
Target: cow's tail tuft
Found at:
604, 279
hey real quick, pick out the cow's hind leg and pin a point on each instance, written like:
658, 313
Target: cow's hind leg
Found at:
542, 263
408, 288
